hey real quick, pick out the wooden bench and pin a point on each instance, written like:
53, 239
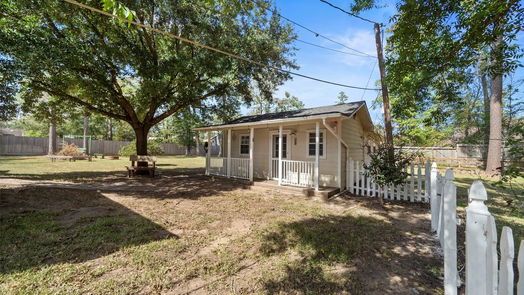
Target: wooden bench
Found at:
148, 164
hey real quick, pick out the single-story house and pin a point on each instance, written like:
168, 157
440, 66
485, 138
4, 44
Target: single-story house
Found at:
307, 147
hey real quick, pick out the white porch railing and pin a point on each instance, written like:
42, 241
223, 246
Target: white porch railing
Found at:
240, 168
299, 173
274, 169
218, 166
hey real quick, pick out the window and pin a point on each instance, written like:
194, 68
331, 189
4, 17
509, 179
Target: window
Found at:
311, 144
244, 144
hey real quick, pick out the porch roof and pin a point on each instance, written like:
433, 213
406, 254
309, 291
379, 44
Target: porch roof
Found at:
346, 109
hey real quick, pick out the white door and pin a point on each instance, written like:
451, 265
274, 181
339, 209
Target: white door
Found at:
274, 152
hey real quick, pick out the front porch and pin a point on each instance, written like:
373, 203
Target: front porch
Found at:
304, 154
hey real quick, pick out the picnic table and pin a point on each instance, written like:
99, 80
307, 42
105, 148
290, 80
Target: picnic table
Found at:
53, 158
143, 163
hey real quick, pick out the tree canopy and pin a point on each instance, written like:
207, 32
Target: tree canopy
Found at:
287, 103
131, 74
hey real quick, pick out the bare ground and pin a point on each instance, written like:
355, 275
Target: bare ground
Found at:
201, 235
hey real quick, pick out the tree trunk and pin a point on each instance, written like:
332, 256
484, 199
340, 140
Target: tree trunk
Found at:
188, 150
141, 140
385, 95
485, 94
52, 139
110, 129
493, 160
197, 143
86, 128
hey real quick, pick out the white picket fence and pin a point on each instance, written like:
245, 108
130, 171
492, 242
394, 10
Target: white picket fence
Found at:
416, 188
485, 273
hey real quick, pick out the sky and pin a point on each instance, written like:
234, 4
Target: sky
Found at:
334, 66
329, 65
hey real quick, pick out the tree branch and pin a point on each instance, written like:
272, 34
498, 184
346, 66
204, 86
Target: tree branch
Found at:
47, 88
175, 108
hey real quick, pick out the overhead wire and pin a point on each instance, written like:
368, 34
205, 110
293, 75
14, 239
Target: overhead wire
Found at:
369, 79
332, 49
322, 36
349, 13
195, 43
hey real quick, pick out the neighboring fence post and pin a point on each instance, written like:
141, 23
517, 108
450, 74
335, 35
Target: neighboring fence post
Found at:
433, 196
449, 234
477, 216
507, 253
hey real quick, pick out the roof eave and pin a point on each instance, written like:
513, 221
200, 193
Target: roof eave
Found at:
267, 122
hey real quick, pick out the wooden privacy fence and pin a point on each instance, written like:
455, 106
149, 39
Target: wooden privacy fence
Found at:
34, 146
415, 189
486, 272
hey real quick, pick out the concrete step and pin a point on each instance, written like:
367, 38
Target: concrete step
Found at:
281, 190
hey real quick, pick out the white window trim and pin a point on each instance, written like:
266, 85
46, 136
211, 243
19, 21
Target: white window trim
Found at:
240, 144
323, 131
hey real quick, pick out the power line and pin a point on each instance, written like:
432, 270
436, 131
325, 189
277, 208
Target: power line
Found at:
195, 43
332, 49
322, 36
369, 79
349, 13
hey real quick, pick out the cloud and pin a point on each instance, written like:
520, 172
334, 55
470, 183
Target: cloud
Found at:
361, 40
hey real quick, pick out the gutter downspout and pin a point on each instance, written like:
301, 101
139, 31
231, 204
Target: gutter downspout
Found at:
343, 142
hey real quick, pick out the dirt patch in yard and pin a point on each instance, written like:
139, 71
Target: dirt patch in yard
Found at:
200, 235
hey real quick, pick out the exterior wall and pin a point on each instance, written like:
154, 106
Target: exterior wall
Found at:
353, 134
297, 149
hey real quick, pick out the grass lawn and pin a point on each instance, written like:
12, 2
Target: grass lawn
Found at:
84, 171
188, 233
194, 234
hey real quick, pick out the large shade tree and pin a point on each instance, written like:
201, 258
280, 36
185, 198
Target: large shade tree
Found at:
434, 47
87, 58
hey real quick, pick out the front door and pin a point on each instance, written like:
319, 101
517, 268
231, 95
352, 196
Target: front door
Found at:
274, 153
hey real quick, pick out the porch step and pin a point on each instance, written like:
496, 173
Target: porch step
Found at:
272, 186
268, 186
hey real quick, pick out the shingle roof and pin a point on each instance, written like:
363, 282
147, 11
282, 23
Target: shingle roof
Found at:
346, 109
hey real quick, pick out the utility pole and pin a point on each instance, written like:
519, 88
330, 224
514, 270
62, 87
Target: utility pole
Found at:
385, 95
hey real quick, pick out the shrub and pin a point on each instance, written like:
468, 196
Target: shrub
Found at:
153, 149
386, 170
70, 150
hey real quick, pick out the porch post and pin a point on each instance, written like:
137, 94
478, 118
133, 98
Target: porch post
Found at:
280, 155
339, 152
228, 152
317, 154
208, 152
251, 143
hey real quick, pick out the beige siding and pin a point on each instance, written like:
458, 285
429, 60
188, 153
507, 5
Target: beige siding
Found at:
352, 134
